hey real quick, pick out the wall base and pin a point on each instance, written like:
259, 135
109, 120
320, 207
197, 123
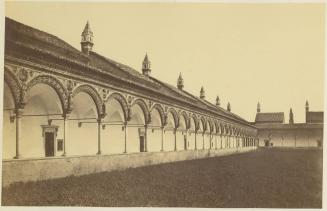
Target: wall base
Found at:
25, 170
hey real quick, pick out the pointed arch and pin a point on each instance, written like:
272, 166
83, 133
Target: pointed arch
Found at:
144, 108
93, 94
175, 115
13, 84
121, 100
53, 83
161, 111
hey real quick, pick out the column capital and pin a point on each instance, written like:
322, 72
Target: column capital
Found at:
175, 130
65, 115
19, 112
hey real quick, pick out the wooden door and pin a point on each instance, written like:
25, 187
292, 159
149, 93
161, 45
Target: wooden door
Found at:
185, 143
141, 143
49, 144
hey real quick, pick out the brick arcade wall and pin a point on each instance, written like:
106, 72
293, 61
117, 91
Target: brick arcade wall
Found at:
42, 169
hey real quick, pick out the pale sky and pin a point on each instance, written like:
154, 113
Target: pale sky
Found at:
245, 53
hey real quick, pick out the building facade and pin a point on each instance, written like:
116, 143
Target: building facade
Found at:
60, 102
274, 132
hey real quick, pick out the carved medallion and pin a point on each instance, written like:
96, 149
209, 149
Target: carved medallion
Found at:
23, 75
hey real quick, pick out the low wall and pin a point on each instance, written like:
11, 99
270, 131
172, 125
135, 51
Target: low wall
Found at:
24, 170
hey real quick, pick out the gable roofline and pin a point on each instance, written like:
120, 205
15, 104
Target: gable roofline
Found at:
270, 117
128, 73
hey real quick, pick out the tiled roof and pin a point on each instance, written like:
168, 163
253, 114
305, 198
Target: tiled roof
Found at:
314, 117
290, 126
277, 117
18, 34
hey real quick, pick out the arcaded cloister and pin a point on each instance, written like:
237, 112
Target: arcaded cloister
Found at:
59, 101
43, 118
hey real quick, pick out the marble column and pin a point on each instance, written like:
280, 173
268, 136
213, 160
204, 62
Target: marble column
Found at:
19, 113
162, 138
125, 138
195, 144
99, 136
175, 139
66, 121
203, 140
145, 138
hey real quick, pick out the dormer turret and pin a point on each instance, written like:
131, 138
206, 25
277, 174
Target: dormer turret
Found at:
202, 93
146, 66
228, 107
306, 106
180, 82
217, 101
87, 39
291, 119
258, 108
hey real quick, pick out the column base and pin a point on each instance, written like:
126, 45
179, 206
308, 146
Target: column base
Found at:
99, 153
17, 157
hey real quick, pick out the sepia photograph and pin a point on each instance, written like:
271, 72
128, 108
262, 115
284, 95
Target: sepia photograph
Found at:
163, 104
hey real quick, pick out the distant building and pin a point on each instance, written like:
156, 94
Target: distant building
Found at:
273, 131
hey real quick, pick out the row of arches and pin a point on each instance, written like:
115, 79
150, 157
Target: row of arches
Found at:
52, 120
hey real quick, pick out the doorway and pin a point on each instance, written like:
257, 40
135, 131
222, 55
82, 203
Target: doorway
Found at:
142, 144
49, 139
49, 144
185, 142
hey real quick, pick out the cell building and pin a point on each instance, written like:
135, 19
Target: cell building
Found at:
69, 111
273, 131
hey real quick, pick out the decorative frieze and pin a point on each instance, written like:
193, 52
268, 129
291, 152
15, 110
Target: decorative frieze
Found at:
20, 80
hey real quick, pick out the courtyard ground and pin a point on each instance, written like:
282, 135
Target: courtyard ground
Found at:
279, 178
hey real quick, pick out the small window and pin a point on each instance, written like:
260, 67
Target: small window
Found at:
60, 144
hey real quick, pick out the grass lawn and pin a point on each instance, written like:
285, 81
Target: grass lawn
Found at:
279, 178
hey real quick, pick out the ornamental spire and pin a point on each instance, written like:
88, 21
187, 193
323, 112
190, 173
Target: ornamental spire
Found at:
307, 106
291, 120
258, 108
180, 82
146, 66
202, 93
87, 39
228, 107
217, 101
